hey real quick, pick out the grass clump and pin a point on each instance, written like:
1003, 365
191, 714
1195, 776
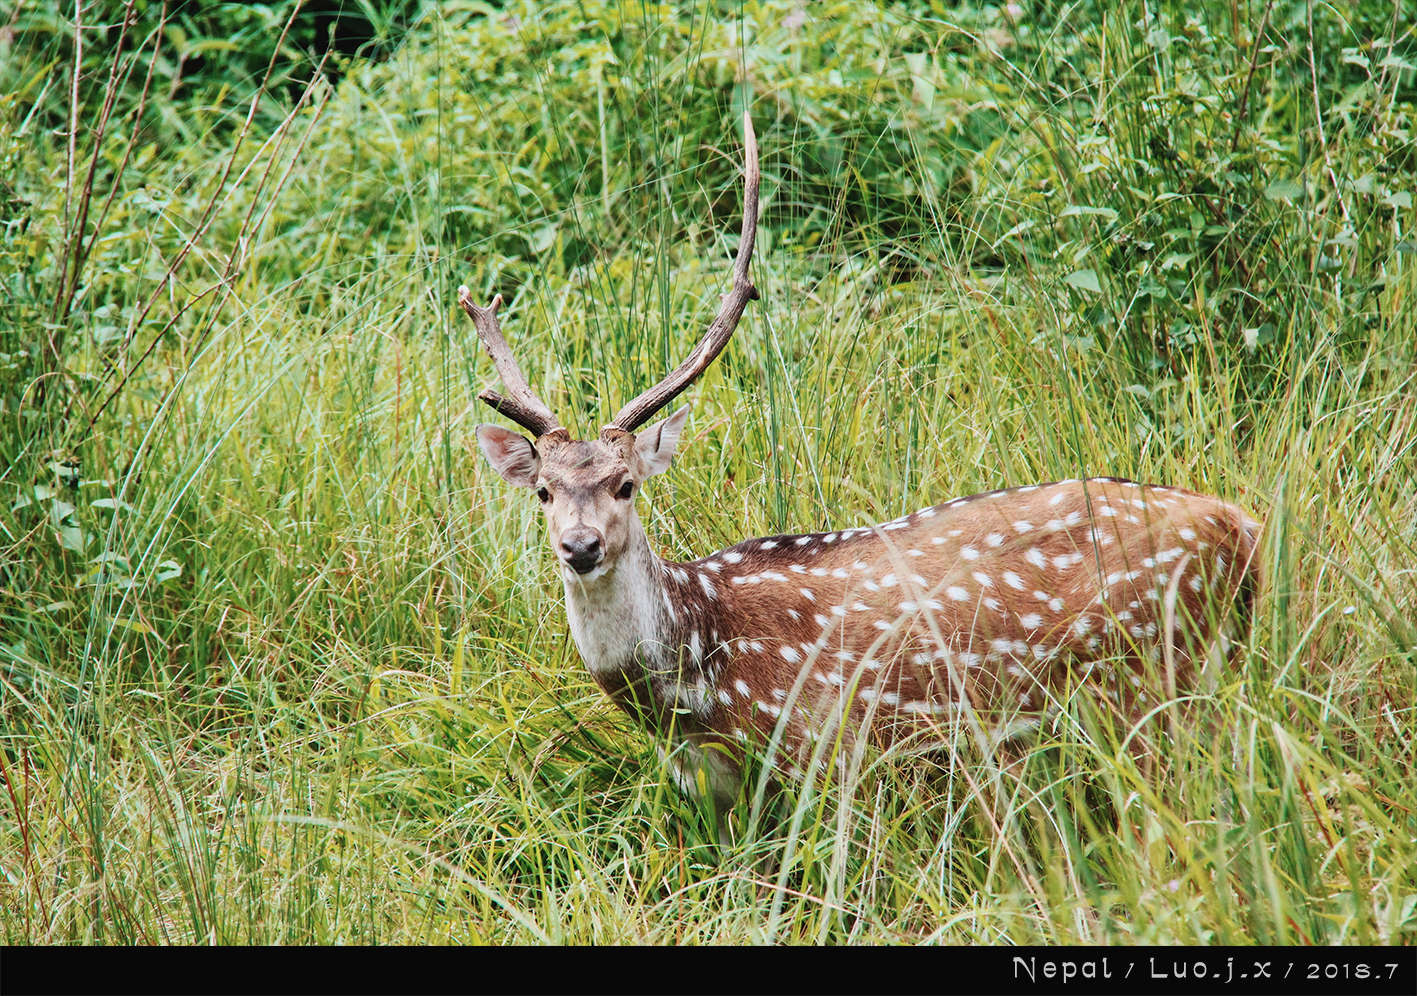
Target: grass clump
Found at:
281, 661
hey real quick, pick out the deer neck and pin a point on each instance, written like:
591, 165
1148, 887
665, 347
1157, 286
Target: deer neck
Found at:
623, 621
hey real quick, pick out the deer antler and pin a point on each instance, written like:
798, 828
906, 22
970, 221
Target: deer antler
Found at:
639, 411
523, 406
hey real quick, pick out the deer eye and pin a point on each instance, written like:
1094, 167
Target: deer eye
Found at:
543, 495
627, 489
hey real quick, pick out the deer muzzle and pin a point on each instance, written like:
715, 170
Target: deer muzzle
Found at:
581, 549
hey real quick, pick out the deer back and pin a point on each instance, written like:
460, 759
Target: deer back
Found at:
992, 604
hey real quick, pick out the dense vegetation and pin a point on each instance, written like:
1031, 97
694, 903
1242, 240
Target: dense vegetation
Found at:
282, 661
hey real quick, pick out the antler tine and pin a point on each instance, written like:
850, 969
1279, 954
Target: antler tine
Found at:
639, 411
523, 406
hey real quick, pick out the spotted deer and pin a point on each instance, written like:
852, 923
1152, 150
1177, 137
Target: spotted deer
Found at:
980, 614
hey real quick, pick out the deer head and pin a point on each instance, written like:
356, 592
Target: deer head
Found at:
586, 488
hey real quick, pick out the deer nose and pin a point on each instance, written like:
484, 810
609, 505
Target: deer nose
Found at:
580, 547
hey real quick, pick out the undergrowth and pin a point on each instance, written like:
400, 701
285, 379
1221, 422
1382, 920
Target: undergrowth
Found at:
282, 661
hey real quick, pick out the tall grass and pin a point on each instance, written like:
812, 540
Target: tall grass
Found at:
282, 661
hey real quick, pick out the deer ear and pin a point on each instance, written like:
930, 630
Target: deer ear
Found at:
511, 455
655, 446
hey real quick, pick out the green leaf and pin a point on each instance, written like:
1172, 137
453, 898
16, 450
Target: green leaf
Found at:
113, 503
1084, 280
1284, 190
543, 238
1075, 209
